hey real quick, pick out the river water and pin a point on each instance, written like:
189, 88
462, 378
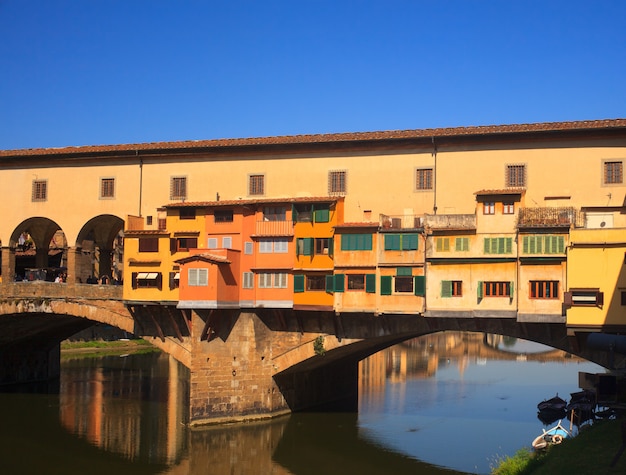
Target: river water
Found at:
441, 404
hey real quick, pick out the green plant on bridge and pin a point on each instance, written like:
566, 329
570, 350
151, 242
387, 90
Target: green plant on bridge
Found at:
318, 346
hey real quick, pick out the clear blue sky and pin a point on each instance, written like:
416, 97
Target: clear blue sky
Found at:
86, 72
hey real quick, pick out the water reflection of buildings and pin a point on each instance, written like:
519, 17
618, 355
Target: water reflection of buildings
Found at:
421, 357
132, 407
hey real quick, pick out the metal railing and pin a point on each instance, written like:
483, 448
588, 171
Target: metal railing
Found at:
550, 217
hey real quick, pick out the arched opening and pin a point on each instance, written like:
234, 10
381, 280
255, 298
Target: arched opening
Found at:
99, 253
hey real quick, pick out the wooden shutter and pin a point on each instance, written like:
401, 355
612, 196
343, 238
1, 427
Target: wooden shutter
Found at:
479, 290
392, 242
159, 281
511, 289
385, 285
331, 247
134, 279
409, 242
370, 283
487, 246
298, 283
321, 215
420, 285
330, 283
340, 282
446, 288
172, 280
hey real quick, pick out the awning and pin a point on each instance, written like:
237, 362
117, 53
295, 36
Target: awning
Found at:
147, 275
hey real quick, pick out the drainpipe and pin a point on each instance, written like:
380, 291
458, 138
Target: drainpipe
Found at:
140, 179
434, 153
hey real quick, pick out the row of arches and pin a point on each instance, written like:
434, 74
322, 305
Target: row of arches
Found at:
39, 250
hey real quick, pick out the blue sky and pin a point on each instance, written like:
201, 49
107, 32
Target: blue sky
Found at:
86, 72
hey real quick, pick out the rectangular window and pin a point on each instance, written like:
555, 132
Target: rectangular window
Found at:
543, 244
303, 213
162, 224
281, 245
40, 190
265, 246
356, 281
498, 245
150, 244
424, 179
613, 172
508, 208
280, 280
223, 215
248, 280
516, 176
316, 282
489, 207
256, 185
178, 188
227, 242
401, 242
107, 188
356, 242
403, 284
265, 280
148, 279
248, 248
322, 246
186, 243
451, 288
461, 244
497, 289
337, 182
211, 243
187, 213
274, 213
442, 244
544, 289
583, 298
148, 220
304, 246
198, 277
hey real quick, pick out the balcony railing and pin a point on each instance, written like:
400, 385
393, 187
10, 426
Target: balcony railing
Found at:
274, 228
409, 221
450, 221
549, 217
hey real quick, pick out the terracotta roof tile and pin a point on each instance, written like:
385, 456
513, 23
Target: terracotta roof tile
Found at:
503, 191
198, 145
245, 202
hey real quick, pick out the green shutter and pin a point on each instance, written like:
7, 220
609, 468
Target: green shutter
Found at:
331, 247
420, 285
525, 244
560, 244
330, 283
392, 242
321, 215
446, 288
409, 242
345, 242
294, 213
367, 242
308, 246
404, 271
385, 285
298, 283
508, 245
340, 282
511, 289
487, 246
461, 244
370, 283
479, 289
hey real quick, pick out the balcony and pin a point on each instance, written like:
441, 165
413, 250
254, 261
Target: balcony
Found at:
550, 217
451, 222
394, 223
274, 228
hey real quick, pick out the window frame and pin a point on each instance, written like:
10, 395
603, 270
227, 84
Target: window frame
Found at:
508, 207
489, 207
612, 177
424, 179
337, 182
107, 188
198, 277
148, 244
39, 191
355, 282
186, 213
515, 175
256, 184
178, 188
223, 216
543, 289
319, 280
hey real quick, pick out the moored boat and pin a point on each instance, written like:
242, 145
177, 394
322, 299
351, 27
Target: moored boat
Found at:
554, 404
552, 436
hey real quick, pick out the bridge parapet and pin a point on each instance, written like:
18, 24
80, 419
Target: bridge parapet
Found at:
58, 291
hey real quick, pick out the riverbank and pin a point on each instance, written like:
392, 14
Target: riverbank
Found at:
71, 349
589, 453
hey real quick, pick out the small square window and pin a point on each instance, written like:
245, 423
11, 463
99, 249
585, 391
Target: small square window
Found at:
223, 215
178, 188
424, 179
516, 176
613, 172
508, 208
40, 190
489, 207
337, 182
149, 220
256, 185
107, 188
187, 213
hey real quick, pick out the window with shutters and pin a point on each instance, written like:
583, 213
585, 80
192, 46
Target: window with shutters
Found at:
403, 284
583, 297
451, 288
508, 208
613, 172
356, 281
515, 176
489, 207
424, 179
304, 246
147, 279
40, 190
186, 243
187, 213
211, 243
401, 242
107, 188
337, 182
178, 188
198, 277
149, 244
543, 244
442, 244
461, 244
322, 246
544, 289
495, 289
356, 242
498, 245
256, 185
316, 282
265, 280
227, 242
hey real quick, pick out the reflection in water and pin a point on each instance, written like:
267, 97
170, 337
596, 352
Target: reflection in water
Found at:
421, 405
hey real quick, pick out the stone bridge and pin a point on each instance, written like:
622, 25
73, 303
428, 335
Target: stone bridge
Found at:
245, 364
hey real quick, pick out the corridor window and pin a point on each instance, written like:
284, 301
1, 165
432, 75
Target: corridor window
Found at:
187, 213
107, 188
178, 188
337, 182
613, 172
274, 213
495, 289
424, 179
442, 244
544, 289
40, 190
256, 185
516, 176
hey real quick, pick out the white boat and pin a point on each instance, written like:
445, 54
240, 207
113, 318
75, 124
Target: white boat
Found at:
552, 436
